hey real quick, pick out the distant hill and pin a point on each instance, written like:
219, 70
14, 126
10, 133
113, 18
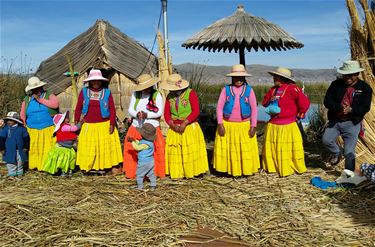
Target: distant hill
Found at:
216, 74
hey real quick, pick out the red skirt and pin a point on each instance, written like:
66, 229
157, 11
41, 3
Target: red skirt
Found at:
131, 156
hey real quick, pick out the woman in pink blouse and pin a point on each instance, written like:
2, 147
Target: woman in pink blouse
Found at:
236, 146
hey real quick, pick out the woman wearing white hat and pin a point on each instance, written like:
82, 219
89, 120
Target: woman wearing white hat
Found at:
146, 106
185, 149
236, 146
283, 146
99, 146
37, 110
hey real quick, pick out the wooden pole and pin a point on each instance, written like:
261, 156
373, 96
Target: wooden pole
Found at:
74, 88
242, 56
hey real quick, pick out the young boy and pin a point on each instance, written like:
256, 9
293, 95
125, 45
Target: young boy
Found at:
145, 149
14, 143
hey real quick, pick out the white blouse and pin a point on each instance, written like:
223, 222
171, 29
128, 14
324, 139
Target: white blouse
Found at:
152, 117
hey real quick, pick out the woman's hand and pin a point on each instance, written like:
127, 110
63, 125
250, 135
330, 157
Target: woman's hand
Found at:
141, 115
252, 132
182, 126
130, 139
111, 129
174, 127
221, 129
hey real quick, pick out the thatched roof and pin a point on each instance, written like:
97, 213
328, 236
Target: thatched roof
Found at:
101, 46
242, 29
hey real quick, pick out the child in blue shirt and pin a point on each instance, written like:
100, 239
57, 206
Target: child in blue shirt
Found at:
14, 143
145, 149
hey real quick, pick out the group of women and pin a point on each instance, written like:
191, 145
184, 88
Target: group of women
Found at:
182, 154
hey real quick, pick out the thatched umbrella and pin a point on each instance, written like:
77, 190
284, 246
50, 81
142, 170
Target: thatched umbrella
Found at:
242, 31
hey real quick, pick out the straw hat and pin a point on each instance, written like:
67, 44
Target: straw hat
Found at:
95, 74
148, 132
238, 70
283, 72
174, 83
350, 67
58, 119
145, 81
34, 82
12, 115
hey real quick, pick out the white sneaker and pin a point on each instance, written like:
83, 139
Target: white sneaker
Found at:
345, 175
357, 179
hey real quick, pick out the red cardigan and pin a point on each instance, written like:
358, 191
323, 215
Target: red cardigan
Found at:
294, 103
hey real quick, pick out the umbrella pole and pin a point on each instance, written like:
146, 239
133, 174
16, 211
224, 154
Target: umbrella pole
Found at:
242, 56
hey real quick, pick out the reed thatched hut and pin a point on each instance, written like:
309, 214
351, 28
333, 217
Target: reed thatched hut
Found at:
242, 31
101, 46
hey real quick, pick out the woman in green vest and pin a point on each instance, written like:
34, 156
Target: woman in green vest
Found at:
37, 111
185, 149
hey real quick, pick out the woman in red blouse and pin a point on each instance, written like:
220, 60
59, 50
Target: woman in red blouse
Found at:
185, 149
283, 146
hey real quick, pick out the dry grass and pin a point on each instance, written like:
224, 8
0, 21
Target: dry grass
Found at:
262, 210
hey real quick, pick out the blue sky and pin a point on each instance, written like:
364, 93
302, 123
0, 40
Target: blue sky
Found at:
35, 30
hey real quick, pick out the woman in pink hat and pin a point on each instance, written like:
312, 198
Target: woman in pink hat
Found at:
37, 110
62, 156
236, 146
99, 145
283, 145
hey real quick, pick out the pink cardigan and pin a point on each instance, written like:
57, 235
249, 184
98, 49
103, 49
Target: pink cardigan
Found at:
236, 113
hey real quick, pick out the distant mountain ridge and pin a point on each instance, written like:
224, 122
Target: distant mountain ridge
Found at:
216, 74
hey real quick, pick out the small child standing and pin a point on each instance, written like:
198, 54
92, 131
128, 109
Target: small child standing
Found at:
62, 156
145, 149
14, 143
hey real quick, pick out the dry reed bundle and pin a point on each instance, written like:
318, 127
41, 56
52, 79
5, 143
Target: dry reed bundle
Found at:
262, 210
362, 43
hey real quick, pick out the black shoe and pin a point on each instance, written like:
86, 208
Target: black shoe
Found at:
335, 159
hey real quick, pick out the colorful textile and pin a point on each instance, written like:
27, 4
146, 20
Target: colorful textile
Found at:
97, 148
94, 112
243, 98
60, 158
236, 153
292, 102
195, 111
236, 112
368, 170
180, 106
186, 154
283, 150
102, 96
41, 141
131, 156
66, 133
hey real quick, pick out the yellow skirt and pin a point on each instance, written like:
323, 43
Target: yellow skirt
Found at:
236, 153
283, 150
41, 141
186, 154
97, 149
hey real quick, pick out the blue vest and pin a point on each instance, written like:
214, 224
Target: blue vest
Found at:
104, 105
244, 101
38, 115
146, 156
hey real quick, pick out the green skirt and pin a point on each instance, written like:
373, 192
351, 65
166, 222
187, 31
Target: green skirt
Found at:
60, 158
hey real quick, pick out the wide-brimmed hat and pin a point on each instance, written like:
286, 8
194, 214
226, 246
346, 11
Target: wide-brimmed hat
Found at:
238, 70
283, 72
147, 131
350, 67
94, 75
58, 119
12, 115
174, 83
34, 82
145, 81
